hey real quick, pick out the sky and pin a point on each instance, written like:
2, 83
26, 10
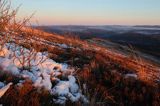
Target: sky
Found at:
90, 12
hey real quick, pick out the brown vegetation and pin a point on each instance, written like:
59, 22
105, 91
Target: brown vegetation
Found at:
113, 88
101, 74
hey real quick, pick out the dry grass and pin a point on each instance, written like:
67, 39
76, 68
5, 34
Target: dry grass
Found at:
113, 89
23, 96
101, 74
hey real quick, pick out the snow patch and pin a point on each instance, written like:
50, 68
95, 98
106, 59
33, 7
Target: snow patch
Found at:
2, 84
66, 90
42, 75
131, 76
4, 89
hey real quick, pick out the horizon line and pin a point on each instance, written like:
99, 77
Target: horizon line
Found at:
97, 25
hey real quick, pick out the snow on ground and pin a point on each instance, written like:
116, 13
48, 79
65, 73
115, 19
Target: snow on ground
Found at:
131, 76
66, 89
53, 44
43, 74
1, 84
4, 88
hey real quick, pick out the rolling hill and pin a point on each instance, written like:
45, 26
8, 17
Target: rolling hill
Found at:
74, 72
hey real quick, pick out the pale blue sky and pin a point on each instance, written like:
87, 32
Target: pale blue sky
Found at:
91, 12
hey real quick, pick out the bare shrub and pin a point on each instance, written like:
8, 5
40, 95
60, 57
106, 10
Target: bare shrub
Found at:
6, 16
29, 57
18, 32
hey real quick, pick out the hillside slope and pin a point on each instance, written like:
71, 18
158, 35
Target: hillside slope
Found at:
136, 64
101, 76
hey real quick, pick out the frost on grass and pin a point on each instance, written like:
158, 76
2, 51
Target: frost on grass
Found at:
42, 75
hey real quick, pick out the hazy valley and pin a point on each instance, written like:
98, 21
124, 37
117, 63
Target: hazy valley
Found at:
145, 39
